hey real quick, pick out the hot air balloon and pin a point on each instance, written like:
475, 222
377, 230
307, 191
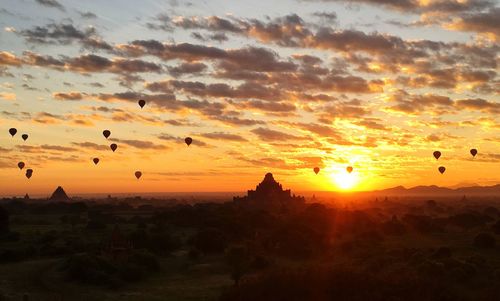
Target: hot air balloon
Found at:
437, 154
29, 173
473, 152
106, 133
349, 169
316, 170
12, 131
96, 160
25, 137
441, 169
138, 174
188, 140
20, 165
113, 147
141, 103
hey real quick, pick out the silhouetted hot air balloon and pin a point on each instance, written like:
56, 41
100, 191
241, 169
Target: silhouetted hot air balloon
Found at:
188, 140
349, 169
441, 169
12, 131
138, 174
106, 133
29, 173
96, 160
437, 154
25, 137
316, 170
141, 103
20, 165
113, 147
473, 152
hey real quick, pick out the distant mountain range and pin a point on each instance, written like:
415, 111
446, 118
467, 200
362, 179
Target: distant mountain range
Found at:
433, 189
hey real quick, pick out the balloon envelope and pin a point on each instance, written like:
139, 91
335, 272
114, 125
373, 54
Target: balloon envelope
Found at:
12, 131
96, 160
436, 154
106, 133
441, 169
142, 103
25, 137
349, 169
316, 170
29, 173
113, 146
473, 152
20, 165
188, 140
138, 174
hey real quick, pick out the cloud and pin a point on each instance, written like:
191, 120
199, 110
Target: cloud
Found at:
9, 59
140, 144
8, 96
267, 106
68, 96
91, 145
418, 104
87, 15
56, 33
48, 118
65, 34
86, 63
479, 104
316, 128
45, 147
224, 136
187, 68
196, 141
51, 3
437, 104
327, 16
418, 6
245, 90
247, 58
482, 22
212, 23
270, 135
373, 123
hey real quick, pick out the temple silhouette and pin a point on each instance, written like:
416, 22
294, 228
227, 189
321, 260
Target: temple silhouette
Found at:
270, 195
59, 195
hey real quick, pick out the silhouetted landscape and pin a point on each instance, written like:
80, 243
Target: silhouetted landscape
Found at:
238, 150
267, 245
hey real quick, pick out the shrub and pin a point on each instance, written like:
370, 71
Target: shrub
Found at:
484, 240
209, 241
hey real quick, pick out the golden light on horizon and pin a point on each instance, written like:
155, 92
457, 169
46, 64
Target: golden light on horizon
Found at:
344, 180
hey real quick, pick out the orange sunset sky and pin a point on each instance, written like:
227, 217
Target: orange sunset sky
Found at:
260, 86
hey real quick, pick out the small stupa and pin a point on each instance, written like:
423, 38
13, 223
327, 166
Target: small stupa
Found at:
59, 195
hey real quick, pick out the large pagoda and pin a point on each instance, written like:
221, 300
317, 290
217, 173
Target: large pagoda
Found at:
269, 194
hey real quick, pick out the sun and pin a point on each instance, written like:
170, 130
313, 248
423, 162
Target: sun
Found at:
344, 180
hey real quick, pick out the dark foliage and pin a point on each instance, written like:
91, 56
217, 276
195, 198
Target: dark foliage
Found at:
484, 240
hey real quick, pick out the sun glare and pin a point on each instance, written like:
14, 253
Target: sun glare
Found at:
344, 180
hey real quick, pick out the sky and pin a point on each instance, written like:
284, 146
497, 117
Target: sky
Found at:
260, 86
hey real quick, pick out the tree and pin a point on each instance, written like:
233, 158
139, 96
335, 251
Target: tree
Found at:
496, 227
239, 261
4, 220
209, 241
484, 240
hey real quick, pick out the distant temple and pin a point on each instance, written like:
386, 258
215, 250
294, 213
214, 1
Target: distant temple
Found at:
59, 195
269, 194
